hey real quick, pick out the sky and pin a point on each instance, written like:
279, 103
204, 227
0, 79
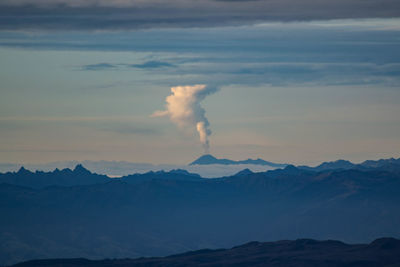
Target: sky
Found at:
294, 81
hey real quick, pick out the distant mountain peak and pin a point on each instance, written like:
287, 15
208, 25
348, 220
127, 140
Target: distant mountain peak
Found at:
205, 158
210, 159
81, 170
337, 164
22, 170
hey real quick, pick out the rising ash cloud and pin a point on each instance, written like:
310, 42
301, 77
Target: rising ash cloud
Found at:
135, 14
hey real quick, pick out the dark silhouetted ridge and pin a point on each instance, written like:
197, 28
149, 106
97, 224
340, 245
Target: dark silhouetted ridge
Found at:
386, 243
79, 169
65, 177
23, 171
301, 253
392, 165
331, 165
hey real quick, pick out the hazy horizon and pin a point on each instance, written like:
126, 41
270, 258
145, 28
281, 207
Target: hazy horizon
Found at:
313, 163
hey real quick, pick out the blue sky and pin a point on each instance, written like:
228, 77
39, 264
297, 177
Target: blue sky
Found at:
294, 91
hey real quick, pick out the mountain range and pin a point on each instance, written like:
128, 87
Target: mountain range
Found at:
76, 213
345, 165
122, 168
301, 252
210, 159
213, 169
66, 177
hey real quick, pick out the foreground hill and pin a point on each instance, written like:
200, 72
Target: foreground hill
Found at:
301, 252
163, 213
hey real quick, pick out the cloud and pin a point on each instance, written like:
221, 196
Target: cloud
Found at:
152, 65
139, 14
100, 66
108, 66
277, 54
184, 109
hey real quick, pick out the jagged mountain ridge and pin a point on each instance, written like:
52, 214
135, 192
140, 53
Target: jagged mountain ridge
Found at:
387, 164
121, 168
66, 177
81, 176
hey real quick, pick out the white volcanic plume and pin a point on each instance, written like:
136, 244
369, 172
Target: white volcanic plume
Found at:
184, 109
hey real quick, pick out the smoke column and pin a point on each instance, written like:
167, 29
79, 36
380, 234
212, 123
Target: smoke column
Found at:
184, 109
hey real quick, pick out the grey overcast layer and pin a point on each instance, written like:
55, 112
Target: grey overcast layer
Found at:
138, 14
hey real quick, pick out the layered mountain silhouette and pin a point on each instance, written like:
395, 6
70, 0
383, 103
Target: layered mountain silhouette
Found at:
81, 176
66, 177
209, 159
301, 252
387, 164
122, 168
76, 213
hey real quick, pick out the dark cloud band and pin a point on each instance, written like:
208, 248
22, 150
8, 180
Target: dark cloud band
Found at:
132, 15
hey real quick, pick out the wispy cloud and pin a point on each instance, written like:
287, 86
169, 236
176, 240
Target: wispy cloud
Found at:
110, 66
152, 65
99, 66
